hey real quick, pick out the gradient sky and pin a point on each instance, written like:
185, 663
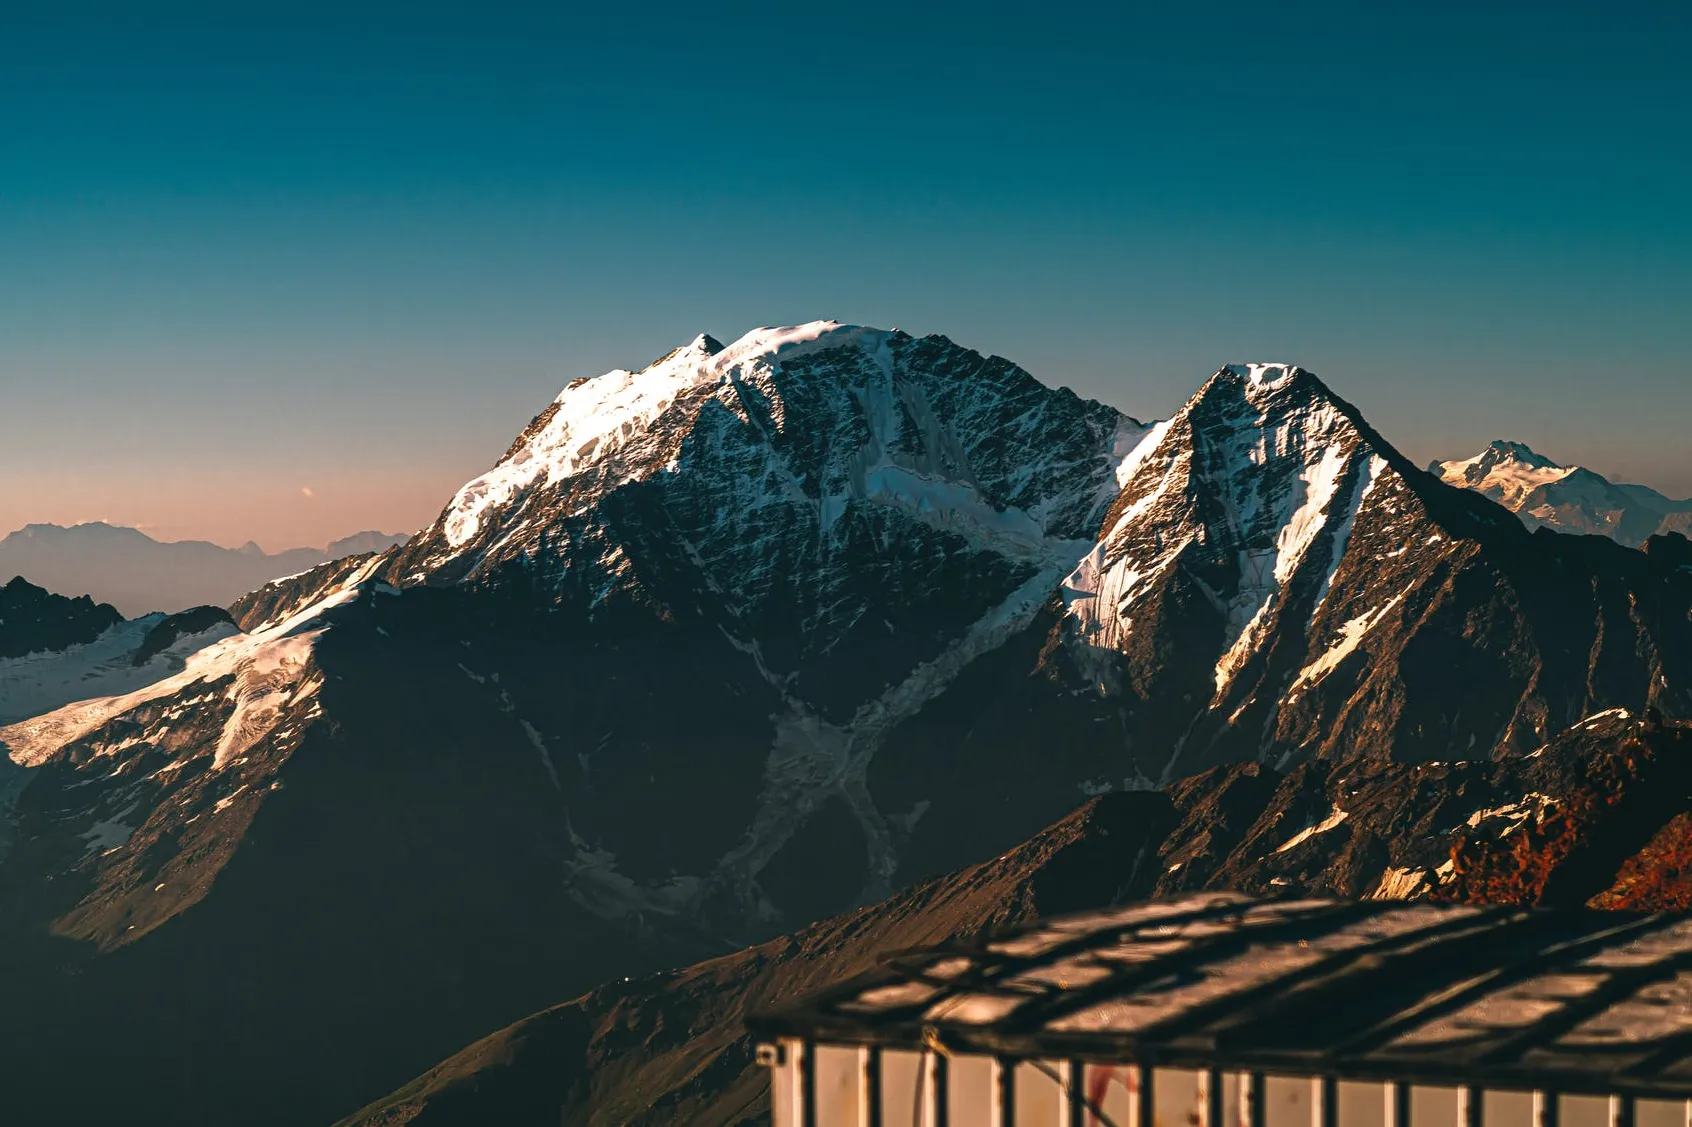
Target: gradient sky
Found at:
250, 249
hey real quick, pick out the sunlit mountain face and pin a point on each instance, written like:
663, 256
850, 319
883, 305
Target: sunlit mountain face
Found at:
1566, 498
752, 636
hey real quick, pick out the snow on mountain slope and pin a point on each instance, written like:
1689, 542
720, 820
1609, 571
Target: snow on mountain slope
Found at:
205, 717
1275, 580
834, 521
625, 709
853, 516
831, 417
1253, 489
1565, 498
1505, 471
753, 635
41, 682
843, 500
264, 671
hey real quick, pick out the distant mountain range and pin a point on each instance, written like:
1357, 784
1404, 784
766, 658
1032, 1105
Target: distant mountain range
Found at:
139, 575
1563, 498
763, 632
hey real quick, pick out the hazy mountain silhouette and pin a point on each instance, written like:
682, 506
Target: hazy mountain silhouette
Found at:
138, 575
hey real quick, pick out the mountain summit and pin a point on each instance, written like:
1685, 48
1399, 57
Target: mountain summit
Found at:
750, 636
1545, 494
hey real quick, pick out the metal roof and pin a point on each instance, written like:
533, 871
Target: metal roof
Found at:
1572, 1001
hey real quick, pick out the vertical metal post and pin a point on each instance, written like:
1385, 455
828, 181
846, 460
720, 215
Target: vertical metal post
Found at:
790, 1053
869, 1087
1145, 1096
1545, 1109
1398, 1105
1324, 1102
1210, 1098
1621, 1111
1072, 1094
937, 1112
1471, 1106
1253, 1111
1001, 1097
808, 1084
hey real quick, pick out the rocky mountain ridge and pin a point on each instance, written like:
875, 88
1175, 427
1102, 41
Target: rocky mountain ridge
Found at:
34, 620
1332, 600
754, 635
1545, 494
56, 650
1598, 817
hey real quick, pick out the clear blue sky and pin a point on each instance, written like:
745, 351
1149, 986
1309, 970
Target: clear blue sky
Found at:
248, 248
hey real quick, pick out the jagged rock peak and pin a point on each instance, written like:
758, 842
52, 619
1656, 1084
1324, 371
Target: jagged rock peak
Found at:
702, 346
1565, 498
1245, 501
826, 417
1501, 454
1500, 449
1262, 375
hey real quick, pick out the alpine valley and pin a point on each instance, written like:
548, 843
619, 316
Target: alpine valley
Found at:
822, 621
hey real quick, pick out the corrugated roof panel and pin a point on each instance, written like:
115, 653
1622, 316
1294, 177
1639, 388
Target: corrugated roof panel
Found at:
1439, 993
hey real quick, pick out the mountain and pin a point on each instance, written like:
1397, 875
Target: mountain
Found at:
139, 575
1592, 817
55, 650
1275, 581
508, 761
1599, 816
671, 1048
1566, 498
35, 621
749, 637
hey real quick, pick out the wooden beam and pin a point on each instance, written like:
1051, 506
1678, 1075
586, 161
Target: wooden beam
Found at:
869, 1087
1324, 1102
1397, 1111
1621, 1111
1254, 1112
1471, 1106
1210, 1098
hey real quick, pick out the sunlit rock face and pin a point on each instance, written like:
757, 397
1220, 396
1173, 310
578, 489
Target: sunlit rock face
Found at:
1562, 498
753, 635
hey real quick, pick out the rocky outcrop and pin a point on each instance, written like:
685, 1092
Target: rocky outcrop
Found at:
34, 621
672, 1048
1596, 817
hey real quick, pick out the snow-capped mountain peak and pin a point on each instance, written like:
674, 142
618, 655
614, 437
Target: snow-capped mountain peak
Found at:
259, 674
822, 417
1263, 375
1564, 498
609, 419
1502, 449
1248, 495
1505, 471
765, 629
